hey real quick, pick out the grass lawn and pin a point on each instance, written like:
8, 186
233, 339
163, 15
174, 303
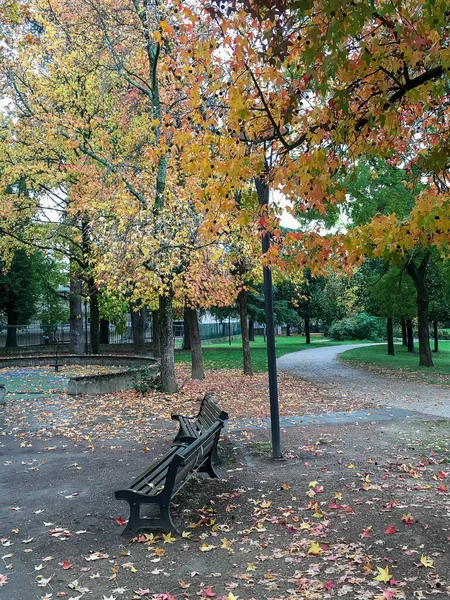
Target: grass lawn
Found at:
224, 356
403, 360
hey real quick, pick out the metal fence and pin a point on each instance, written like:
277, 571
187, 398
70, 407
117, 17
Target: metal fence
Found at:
35, 335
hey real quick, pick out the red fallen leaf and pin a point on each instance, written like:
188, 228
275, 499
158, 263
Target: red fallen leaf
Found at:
334, 505
408, 519
442, 488
328, 585
207, 592
390, 530
394, 583
121, 521
67, 565
366, 533
441, 475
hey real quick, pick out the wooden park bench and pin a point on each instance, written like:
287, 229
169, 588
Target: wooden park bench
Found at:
167, 475
193, 427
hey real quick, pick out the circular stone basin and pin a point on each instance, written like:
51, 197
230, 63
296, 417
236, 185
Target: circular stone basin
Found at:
79, 374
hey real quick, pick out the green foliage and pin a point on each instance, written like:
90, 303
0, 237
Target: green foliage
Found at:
378, 188
358, 327
146, 380
20, 286
114, 308
384, 291
53, 306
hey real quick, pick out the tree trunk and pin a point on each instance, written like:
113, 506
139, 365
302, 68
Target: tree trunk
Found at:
418, 275
11, 329
404, 333
76, 318
190, 315
156, 333
242, 299
307, 332
390, 336
410, 335
104, 331
95, 317
436, 336
138, 325
186, 330
251, 331
288, 329
168, 380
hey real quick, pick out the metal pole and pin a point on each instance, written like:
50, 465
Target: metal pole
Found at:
263, 197
229, 330
86, 328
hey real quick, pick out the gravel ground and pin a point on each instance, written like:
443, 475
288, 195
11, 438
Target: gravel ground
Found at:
334, 378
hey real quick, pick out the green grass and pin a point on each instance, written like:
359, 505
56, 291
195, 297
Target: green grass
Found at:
224, 356
405, 361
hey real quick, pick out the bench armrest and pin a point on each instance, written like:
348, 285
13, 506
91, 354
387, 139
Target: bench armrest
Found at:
175, 417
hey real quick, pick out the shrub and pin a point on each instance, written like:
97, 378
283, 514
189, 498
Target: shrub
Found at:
146, 380
358, 327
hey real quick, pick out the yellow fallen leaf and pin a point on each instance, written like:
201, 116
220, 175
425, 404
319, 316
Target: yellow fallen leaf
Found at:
226, 544
168, 538
231, 596
251, 566
313, 484
383, 574
315, 548
265, 504
186, 534
207, 547
426, 562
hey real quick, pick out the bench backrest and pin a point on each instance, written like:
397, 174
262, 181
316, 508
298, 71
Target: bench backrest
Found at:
155, 476
191, 456
209, 413
176, 465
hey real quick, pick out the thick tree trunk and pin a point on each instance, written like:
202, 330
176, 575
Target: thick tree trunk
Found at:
186, 330
404, 333
104, 331
191, 317
156, 333
436, 336
11, 329
242, 299
307, 332
418, 275
168, 380
138, 325
288, 329
77, 342
251, 331
95, 317
390, 336
409, 335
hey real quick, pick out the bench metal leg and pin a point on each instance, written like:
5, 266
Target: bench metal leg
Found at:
208, 467
133, 521
215, 457
136, 522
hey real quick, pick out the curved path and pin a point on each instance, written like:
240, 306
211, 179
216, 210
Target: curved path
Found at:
321, 367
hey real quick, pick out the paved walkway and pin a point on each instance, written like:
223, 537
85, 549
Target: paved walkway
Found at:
321, 367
